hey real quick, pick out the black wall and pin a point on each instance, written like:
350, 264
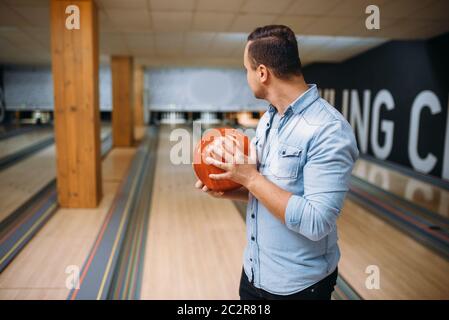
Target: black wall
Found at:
404, 68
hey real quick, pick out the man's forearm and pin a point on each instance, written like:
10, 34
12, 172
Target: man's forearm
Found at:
275, 199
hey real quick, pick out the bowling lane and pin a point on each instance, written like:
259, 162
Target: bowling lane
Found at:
21, 181
39, 270
424, 194
14, 144
11, 129
408, 270
195, 243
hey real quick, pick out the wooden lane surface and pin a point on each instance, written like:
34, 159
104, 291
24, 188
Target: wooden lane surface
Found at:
38, 272
21, 181
408, 270
414, 190
195, 243
16, 143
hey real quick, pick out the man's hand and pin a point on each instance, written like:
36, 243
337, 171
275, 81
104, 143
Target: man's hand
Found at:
237, 166
216, 194
242, 169
240, 194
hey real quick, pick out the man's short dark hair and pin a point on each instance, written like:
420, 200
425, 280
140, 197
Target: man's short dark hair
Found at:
276, 47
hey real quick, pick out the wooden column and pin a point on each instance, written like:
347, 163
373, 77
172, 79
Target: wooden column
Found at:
138, 96
77, 117
122, 101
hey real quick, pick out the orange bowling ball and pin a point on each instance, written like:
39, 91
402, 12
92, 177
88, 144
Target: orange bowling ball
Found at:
202, 169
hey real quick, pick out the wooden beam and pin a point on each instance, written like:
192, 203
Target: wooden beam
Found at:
138, 96
122, 101
77, 117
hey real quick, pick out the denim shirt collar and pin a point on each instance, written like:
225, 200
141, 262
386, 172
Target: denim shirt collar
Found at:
302, 102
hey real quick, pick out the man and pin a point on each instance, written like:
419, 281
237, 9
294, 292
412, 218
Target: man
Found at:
305, 154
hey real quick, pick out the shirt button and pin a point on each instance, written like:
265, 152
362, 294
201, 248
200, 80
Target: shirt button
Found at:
253, 216
251, 259
252, 238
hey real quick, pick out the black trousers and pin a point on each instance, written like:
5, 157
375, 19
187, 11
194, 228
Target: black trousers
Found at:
321, 290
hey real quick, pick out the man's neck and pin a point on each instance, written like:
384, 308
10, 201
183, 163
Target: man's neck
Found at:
285, 93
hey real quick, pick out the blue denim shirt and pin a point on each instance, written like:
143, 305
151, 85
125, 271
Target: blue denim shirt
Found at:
309, 151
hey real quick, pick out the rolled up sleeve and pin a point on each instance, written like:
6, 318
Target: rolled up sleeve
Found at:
326, 173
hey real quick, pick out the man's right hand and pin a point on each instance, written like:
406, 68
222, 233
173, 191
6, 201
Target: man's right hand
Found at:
240, 194
216, 194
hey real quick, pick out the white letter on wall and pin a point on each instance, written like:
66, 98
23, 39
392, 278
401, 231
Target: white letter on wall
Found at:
445, 173
424, 99
361, 126
344, 107
329, 96
383, 97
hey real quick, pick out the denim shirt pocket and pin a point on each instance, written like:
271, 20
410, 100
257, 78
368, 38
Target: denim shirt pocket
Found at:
285, 165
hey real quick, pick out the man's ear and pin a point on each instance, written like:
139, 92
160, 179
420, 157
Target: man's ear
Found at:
262, 72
